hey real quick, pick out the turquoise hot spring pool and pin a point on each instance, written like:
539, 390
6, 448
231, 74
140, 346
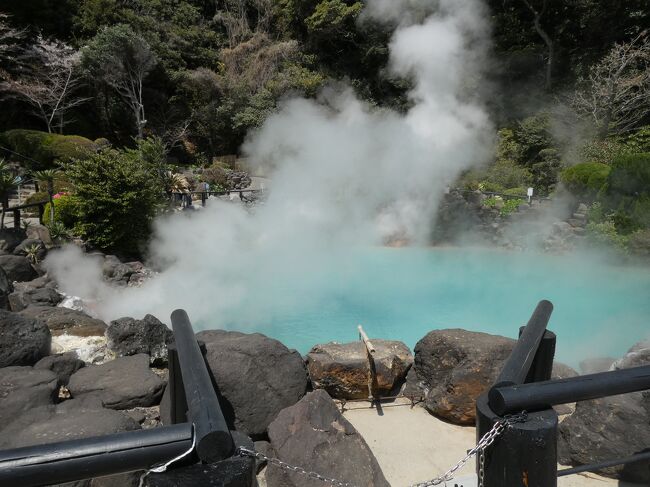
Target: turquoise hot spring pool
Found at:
600, 310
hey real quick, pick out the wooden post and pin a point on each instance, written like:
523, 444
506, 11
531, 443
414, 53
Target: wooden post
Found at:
16, 218
41, 210
203, 198
372, 371
525, 455
542, 366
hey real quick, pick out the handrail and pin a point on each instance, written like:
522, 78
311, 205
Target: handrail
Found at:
540, 395
73, 460
23, 206
213, 439
521, 358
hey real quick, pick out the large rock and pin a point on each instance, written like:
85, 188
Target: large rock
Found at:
24, 296
257, 377
314, 435
605, 429
636, 356
128, 336
64, 320
595, 365
343, 369
23, 388
123, 383
23, 341
611, 427
69, 420
10, 238
29, 244
41, 233
453, 367
18, 268
62, 364
6, 289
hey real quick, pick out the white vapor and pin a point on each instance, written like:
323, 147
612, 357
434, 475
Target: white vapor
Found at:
346, 175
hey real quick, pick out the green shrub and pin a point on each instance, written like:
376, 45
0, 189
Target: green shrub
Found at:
117, 196
639, 243
630, 176
66, 211
492, 202
523, 192
585, 180
42, 150
604, 234
490, 187
638, 141
511, 206
38, 197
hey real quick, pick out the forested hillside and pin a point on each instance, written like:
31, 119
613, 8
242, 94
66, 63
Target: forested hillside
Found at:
568, 81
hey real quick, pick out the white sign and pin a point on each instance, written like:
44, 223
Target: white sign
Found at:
530, 192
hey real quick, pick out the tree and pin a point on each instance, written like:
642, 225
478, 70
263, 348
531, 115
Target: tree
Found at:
48, 176
51, 83
10, 39
538, 13
117, 199
122, 59
7, 183
616, 95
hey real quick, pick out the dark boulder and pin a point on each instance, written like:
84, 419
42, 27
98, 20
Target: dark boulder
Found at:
10, 238
64, 320
6, 289
18, 268
24, 296
314, 435
69, 420
62, 364
31, 243
605, 429
611, 427
343, 369
128, 336
453, 367
23, 388
123, 383
23, 341
257, 377
636, 356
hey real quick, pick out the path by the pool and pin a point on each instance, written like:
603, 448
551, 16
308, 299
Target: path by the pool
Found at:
412, 446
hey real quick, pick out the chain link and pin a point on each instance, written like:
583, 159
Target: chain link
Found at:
499, 427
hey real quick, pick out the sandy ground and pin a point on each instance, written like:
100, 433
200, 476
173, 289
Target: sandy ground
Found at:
413, 446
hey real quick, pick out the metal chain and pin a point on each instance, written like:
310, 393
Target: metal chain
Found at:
245, 452
489, 437
499, 427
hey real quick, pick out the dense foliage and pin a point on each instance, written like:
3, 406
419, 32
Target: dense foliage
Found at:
116, 197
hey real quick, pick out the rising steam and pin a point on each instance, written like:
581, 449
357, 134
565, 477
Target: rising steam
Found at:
346, 175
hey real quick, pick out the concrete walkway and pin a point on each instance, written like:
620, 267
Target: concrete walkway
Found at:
413, 446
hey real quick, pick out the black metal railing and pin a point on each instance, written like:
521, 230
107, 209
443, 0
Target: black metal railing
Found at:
526, 454
202, 434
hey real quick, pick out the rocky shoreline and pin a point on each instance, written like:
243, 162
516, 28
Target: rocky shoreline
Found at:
66, 375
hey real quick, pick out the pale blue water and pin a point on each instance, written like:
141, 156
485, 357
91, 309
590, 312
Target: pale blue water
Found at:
401, 294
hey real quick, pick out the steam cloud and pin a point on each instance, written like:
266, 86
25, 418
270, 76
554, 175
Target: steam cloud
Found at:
346, 175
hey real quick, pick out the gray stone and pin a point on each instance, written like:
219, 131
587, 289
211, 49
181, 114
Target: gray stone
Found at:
343, 369
128, 336
605, 429
595, 365
562, 371
24, 296
5, 289
257, 377
18, 268
62, 364
65, 320
456, 366
23, 388
23, 341
316, 436
10, 238
41, 233
29, 243
66, 421
123, 383
636, 356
